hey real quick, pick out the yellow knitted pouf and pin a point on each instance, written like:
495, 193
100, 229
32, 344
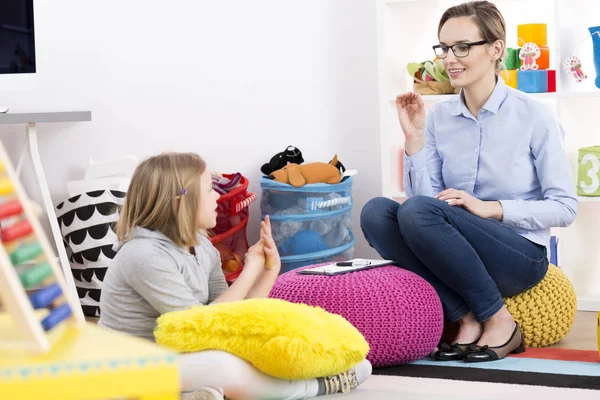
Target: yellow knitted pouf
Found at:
545, 312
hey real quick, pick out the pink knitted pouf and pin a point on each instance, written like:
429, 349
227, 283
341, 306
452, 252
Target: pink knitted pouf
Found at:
397, 311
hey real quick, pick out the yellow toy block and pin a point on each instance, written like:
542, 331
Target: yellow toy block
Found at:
509, 77
89, 363
535, 33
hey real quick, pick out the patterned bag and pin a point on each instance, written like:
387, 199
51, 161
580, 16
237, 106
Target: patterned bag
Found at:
87, 223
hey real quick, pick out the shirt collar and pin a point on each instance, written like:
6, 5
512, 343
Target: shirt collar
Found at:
492, 105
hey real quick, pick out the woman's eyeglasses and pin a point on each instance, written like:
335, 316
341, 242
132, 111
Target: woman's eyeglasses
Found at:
460, 50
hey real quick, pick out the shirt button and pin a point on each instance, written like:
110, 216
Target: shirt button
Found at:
474, 150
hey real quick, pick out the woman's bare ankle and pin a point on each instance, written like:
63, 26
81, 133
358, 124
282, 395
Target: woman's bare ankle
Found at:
501, 318
498, 329
469, 329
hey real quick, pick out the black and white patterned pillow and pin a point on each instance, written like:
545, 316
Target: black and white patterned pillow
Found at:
87, 223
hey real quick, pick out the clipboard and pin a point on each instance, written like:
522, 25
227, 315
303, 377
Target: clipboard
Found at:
344, 267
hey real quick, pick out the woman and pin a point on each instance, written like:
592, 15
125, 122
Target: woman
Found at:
486, 178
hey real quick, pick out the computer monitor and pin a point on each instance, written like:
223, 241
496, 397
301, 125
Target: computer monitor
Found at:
17, 46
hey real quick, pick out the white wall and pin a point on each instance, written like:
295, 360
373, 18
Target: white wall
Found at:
579, 253
235, 81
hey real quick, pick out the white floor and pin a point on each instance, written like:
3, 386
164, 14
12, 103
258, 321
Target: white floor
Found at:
395, 387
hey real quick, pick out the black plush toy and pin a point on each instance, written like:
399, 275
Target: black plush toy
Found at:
290, 155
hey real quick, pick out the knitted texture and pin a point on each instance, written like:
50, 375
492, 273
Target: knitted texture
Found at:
547, 311
398, 312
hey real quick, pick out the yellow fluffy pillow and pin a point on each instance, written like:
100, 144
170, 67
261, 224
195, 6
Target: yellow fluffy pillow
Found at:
281, 339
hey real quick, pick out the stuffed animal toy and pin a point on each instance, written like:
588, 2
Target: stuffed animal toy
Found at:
335, 230
304, 242
283, 230
339, 232
230, 261
290, 155
315, 172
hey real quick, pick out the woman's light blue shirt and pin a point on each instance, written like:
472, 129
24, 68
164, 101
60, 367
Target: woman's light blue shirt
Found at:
512, 153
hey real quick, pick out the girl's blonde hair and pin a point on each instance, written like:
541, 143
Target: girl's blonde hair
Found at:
486, 16
164, 195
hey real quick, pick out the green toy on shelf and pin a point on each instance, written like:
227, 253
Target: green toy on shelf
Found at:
430, 77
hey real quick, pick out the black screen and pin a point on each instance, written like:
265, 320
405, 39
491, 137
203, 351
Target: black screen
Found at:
17, 45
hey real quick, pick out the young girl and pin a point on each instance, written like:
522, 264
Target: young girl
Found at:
165, 265
487, 177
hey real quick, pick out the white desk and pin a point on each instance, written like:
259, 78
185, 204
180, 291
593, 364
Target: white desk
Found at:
30, 120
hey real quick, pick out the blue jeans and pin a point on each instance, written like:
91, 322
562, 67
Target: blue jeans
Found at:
471, 262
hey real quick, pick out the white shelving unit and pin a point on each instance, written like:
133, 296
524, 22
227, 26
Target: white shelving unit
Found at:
588, 199
407, 30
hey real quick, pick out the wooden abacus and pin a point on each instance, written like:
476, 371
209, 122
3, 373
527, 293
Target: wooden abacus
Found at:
23, 243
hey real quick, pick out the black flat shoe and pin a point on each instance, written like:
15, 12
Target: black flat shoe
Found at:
516, 345
451, 352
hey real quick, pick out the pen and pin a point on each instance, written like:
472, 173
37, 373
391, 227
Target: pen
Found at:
352, 264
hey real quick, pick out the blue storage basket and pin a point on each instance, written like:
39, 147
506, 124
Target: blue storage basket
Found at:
310, 224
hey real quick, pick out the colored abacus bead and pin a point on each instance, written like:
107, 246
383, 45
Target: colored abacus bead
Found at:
17, 231
6, 187
35, 275
25, 253
10, 209
44, 298
56, 316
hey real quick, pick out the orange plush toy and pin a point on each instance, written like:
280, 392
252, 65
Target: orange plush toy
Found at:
230, 261
315, 172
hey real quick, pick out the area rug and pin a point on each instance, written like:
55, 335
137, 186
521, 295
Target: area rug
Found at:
551, 367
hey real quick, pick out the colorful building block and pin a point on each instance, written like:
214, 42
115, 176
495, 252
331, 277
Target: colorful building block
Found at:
544, 60
512, 59
532, 81
551, 80
509, 77
536, 33
588, 178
